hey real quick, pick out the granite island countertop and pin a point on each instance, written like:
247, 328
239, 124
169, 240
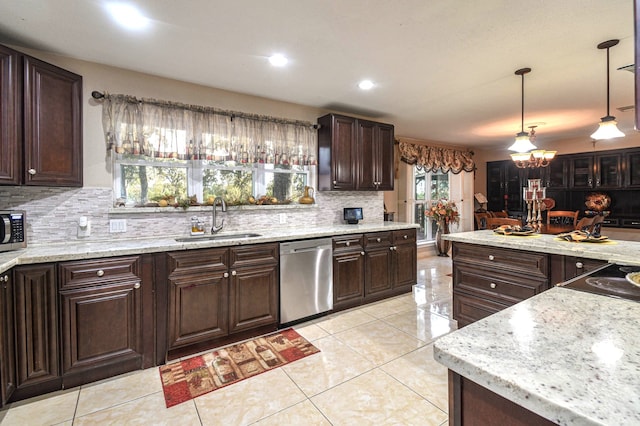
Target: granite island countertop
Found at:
77, 250
569, 356
613, 251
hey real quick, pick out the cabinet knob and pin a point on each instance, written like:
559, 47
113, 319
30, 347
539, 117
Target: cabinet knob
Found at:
335, 182
362, 253
234, 273
491, 257
4, 279
348, 243
100, 272
405, 236
492, 285
136, 285
226, 275
378, 239
31, 171
579, 265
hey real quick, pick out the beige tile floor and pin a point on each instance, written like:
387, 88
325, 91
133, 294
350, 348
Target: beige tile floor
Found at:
375, 367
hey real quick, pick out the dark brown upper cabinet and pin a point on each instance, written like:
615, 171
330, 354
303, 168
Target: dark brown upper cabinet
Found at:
354, 154
41, 122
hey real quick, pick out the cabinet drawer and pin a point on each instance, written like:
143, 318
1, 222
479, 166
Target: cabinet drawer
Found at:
531, 264
256, 254
503, 288
200, 261
404, 236
98, 272
468, 309
377, 240
354, 242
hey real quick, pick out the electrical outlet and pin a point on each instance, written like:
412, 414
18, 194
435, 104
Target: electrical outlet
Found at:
117, 225
283, 218
84, 227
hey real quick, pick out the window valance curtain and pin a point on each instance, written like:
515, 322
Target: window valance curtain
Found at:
161, 129
434, 158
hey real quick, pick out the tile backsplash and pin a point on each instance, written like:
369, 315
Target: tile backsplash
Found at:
53, 214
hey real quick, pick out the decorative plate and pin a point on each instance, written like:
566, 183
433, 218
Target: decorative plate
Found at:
633, 278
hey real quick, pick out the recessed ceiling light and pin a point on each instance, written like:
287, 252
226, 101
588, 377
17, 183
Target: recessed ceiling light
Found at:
365, 84
278, 60
128, 16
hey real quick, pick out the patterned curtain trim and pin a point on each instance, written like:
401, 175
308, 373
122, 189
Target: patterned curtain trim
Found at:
435, 159
167, 130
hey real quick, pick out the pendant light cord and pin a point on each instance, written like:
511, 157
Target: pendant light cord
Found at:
522, 107
608, 114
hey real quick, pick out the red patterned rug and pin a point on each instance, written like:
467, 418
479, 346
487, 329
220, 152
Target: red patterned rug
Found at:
184, 380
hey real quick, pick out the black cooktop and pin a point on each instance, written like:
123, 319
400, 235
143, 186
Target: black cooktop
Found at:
607, 281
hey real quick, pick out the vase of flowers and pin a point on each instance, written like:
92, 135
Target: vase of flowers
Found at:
443, 212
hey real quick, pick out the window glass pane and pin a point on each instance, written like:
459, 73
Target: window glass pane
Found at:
151, 183
439, 186
420, 183
234, 185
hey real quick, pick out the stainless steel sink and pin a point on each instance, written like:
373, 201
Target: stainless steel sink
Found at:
218, 237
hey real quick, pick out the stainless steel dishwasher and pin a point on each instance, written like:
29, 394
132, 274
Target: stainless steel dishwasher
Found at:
306, 279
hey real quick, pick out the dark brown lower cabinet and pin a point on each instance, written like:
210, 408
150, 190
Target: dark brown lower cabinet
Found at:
373, 266
7, 342
472, 404
217, 293
36, 331
101, 318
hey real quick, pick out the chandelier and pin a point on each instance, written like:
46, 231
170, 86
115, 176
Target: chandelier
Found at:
535, 158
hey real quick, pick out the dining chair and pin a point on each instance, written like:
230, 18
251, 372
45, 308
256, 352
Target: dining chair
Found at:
494, 222
564, 217
499, 214
481, 219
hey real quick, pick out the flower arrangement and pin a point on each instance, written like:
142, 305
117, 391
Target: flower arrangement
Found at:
443, 210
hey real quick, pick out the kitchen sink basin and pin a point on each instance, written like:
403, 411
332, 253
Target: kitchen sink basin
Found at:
218, 237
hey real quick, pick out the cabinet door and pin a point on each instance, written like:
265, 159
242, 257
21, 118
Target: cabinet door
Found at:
495, 186
10, 117
514, 179
7, 345
36, 326
405, 256
581, 172
198, 296
342, 150
367, 157
632, 169
557, 173
385, 157
52, 125
348, 279
378, 281
253, 297
608, 171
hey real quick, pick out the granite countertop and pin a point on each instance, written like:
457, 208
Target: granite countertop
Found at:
613, 251
90, 250
569, 356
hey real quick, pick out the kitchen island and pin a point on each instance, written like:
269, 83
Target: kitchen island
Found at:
564, 355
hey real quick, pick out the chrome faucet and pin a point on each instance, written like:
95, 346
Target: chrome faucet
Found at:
218, 200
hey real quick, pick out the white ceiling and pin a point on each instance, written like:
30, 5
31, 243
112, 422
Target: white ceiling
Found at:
444, 69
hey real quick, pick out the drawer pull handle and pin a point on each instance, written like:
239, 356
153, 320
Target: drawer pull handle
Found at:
491, 257
226, 275
362, 253
492, 285
348, 243
378, 240
31, 171
579, 265
100, 272
405, 237
136, 285
234, 273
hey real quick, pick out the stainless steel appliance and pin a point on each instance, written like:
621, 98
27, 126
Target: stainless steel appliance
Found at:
13, 235
608, 280
306, 279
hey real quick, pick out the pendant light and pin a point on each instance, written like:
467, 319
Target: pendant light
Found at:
608, 126
522, 143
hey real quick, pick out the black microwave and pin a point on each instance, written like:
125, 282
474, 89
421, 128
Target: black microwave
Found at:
13, 235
